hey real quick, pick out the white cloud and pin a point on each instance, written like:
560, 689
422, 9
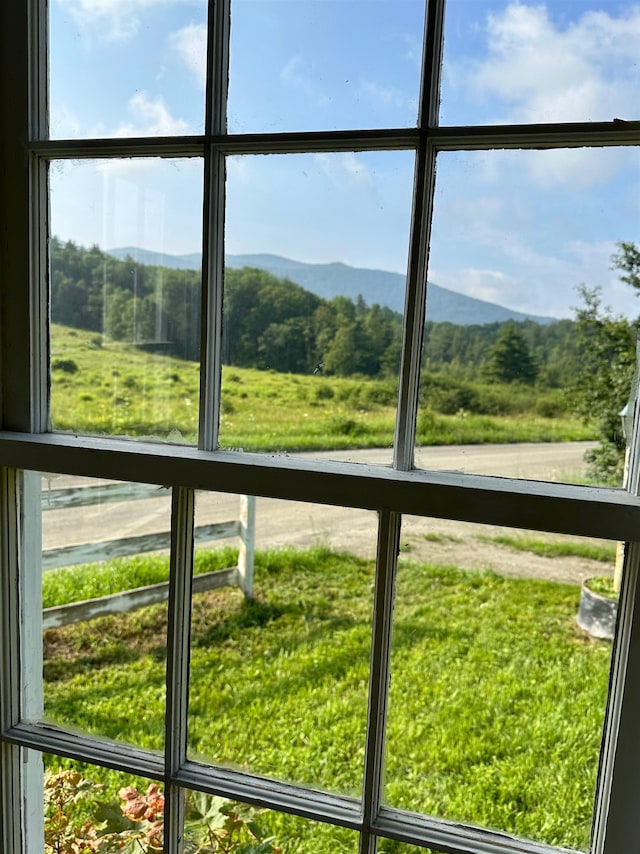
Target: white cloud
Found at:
346, 166
65, 124
290, 71
238, 168
151, 117
115, 20
571, 169
490, 285
542, 72
413, 50
191, 45
532, 280
388, 96
298, 74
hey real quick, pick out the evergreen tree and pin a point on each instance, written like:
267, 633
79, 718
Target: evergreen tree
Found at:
510, 358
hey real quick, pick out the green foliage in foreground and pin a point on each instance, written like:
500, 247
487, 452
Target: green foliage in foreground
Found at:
100, 387
496, 703
78, 821
604, 585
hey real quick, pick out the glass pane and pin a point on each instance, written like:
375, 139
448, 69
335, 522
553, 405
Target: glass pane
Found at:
392, 846
88, 808
277, 832
519, 347
328, 65
561, 61
279, 681
497, 695
125, 297
314, 294
126, 69
105, 569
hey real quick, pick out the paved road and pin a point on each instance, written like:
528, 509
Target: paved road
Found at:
281, 523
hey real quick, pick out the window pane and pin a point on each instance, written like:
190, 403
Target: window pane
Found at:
561, 61
324, 66
289, 834
104, 663
126, 69
312, 315
279, 682
497, 696
88, 808
519, 347
392, 846
125, 297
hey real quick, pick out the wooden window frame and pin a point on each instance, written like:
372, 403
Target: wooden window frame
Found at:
26, 444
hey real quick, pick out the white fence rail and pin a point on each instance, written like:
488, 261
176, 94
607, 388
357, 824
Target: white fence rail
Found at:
129, 600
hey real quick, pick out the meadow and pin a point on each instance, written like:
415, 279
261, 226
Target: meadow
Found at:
108, 388
496, 703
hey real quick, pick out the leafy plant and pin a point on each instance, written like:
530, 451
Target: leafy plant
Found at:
65, 831
213, 825
603, 585
608, 350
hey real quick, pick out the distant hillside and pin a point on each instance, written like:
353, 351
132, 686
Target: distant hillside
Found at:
336, 279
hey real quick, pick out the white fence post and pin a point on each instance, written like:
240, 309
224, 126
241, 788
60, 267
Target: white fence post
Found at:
246, 554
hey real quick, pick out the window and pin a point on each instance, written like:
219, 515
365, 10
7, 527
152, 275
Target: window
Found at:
197, 162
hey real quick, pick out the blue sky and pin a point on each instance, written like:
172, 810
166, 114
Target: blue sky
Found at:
519, 228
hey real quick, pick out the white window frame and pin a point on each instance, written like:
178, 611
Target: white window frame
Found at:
27, 445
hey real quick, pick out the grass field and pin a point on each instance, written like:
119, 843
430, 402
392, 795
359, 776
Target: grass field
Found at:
114, 389
496, 703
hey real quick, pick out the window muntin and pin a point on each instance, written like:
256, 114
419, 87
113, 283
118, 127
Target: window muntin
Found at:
94, 90
319, 65
562, 61
125, 302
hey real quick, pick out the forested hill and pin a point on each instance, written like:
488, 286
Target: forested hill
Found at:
337, 279
272, 322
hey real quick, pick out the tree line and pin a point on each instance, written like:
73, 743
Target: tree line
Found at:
273, 323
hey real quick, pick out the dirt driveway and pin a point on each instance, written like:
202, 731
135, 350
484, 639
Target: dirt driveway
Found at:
280, 523
285, 523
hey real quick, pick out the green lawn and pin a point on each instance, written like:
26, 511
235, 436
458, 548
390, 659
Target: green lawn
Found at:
496, 703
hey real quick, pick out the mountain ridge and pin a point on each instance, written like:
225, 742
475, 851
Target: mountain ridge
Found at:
335, 278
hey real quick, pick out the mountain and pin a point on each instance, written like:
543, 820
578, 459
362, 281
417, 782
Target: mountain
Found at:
337, 279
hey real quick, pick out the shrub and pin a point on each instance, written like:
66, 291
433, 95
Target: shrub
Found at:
66, 365
212, 825
324, 392
346, 426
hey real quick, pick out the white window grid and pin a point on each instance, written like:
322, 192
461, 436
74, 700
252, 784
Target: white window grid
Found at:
26, 444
